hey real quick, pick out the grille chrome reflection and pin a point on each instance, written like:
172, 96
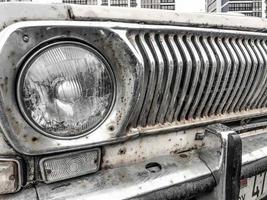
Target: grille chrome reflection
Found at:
190, 76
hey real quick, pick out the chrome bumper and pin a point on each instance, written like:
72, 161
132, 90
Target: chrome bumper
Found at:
214, 172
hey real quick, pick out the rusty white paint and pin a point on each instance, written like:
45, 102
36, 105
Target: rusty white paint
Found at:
144, 148
34, 11
151, 16
15, 12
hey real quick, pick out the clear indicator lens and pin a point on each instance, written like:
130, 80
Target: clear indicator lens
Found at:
8, 177
65, 166
66, 90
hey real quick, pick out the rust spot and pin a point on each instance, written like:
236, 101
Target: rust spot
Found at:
111, 128
108, 167
176, 151
183, 155
34, 139
122, 151
60, 186
143, 174
4, 85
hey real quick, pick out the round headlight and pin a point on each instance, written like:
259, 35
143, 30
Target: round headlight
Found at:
65, 89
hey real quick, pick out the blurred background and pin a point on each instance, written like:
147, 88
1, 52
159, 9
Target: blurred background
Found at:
255, 8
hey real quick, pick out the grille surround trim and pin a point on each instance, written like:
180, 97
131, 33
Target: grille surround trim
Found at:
239, 56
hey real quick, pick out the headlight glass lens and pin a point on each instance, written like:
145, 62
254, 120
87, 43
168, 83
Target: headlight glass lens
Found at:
66, 89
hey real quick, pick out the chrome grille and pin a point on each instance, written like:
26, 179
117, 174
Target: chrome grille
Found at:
190, 76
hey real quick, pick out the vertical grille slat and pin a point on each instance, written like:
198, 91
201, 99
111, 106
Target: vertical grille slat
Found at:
204, 70
263, 48
197, 64
187, 76
228, 63
248, 78
132, 38
167, 90
240, 84
260, 77
151, 74
213, 63
159, 82
178, 76
235, 64
254, 79
220, 62
226, 68
192, 76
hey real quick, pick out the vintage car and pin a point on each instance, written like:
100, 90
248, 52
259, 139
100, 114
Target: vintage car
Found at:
101, 103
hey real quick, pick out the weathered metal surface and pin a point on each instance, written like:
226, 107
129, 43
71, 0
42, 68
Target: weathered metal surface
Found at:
27, 194
183, 125
33, 12
129, 71
222, 154
132, 180
254, 155
5, 148
145, 148
159, 17
11, 13
238, 90
136, 180
185, 191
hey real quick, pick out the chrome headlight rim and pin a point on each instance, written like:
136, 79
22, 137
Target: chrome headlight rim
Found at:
29, 60
107, 40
